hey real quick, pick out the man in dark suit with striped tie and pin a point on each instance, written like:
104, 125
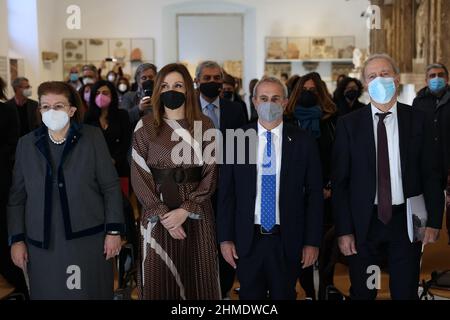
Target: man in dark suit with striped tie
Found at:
225, 115
270, 201
382, 156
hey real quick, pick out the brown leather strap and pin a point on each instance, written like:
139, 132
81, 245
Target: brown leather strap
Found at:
169, 180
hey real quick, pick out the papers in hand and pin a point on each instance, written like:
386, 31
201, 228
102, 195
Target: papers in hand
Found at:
417, 215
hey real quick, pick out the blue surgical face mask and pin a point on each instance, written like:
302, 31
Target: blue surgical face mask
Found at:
382, 90
437, 84
74, 77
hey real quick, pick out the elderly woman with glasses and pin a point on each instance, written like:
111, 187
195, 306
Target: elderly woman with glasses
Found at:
65, 207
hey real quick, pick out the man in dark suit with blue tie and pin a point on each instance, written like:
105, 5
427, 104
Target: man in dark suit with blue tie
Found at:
270, 200
382, 156
225, 115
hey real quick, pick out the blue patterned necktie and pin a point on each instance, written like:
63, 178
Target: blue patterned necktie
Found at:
211, 112
268, 185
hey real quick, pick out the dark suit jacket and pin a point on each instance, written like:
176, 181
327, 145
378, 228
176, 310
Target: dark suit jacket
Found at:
300, 202
354, 169
32, 115
231, 115
90, 195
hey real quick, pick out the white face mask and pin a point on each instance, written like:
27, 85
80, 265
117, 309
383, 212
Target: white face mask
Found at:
111, 78
27, 92
55, 120
123, 87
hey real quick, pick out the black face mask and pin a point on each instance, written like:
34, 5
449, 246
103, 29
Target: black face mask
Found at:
210, 89
147, 88
307, 99
228, 95
352, 95
173, 99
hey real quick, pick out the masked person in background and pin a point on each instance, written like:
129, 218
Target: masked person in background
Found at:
347, 96
25, 106
138, 103
74, 79
270, 212
383, 155
104, 113
311, 108
225, 115
434, 101
90, 74
123, 87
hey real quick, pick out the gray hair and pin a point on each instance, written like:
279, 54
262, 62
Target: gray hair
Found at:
382, 56
17, 82
90, 67
437, 66
206, 64
271, 80
143, 67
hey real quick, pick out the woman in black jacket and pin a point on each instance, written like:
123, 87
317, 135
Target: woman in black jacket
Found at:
104, 113
311, 108
347, 96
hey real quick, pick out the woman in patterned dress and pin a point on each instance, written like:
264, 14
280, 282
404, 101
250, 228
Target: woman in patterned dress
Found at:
178, 246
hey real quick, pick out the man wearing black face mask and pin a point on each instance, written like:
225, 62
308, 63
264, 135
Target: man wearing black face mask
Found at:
346, 96
137, 103
225, 115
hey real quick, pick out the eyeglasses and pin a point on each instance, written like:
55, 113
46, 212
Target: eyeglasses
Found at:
56, 107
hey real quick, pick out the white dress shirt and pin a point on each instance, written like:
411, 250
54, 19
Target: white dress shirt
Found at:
204, 104
391, 123
277, 139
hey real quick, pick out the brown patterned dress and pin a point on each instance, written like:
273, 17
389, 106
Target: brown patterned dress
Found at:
174, 269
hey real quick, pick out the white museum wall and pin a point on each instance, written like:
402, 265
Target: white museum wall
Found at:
3, 28
23, 38
157, 19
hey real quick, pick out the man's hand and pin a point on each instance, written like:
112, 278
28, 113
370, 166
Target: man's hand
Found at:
145, 103
347, 245
431, 236
229, 253
309, 257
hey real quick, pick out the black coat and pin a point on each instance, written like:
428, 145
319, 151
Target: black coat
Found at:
9, 131
32, 117
301, 196
343, 107
354, 169
118, 139
437, 111
91, 199
324, 142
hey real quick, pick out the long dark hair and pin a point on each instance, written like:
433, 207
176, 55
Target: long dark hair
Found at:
93, 113
339, 93
192, 108
326, 104
2, 90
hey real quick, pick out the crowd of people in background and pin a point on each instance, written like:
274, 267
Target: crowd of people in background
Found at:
71, 161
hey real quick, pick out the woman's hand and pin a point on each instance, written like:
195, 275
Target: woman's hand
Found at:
112, 247
178, 233
174, 219
19, 254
